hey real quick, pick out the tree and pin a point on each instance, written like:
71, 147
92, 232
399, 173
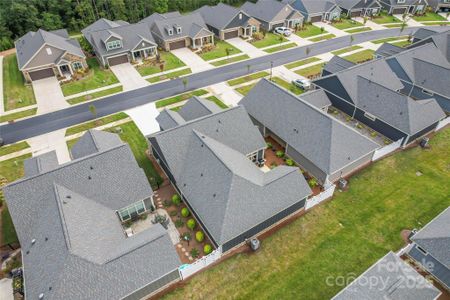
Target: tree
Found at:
307, 51
185, 83
93, 110
228, 51
248, 68
403, 26
280, 38
51, 21
159, 6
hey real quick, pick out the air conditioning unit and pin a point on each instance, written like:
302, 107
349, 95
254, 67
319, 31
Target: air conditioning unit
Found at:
254, 244
342, 183
424, 142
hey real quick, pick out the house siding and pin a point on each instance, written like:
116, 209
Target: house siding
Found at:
306, 164
367, 159
422, 132
43, 59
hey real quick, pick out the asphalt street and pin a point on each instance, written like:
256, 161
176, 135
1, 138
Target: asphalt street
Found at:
80, 113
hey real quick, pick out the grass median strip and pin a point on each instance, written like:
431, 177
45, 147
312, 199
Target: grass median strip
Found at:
18, 115
302, 62
95, 95
348, 49
287, 85
312, 71
95, 123
179, 98
247, 78
229, 60
217, 102
361, 56
356, 30
394, 25
170, 75
5, 150
281, 47
323, 37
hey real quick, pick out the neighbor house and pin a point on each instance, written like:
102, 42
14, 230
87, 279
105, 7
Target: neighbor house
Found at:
174, 31
336, 64
69, 221
316, 10
400, 7
212, 162
439, 5
389, 278
117, 42
430, 248
324, 147
421, 34
272, 14
44, 54
387, 50
371, 93
228, 22
359, 8
440, 40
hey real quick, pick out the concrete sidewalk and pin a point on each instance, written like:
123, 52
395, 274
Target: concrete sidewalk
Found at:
145, 118
226, 93
6, 289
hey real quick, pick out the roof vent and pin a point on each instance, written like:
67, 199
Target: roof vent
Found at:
91, 167
219, 121
28, 252
41, 296
217, 130
89, 177
348, 158
184, 184
49, 288
214, 195
401, 113
33, 241
68, 196
46, 238
201, 174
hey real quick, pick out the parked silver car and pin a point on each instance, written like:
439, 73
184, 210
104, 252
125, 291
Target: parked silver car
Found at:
304, 84
283, 30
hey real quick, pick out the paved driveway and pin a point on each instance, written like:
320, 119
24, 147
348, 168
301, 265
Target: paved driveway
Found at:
192, 60
144, 117
246, 47
128, 77
330, 29
6, 290
49, 96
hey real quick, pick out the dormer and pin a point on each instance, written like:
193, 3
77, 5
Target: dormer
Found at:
177, 28
169, 30
114, 41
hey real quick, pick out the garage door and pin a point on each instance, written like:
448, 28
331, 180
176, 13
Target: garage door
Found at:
316, 19
36, 75
231, 34
355, 13
399, 11
117, 60
177, 45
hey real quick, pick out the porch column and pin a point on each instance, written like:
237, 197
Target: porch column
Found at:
193, 43
70, 68
59, 71
212, 39
132, 55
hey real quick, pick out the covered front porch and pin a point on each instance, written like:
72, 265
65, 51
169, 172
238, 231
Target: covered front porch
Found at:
200, 42
65, 70
143, 54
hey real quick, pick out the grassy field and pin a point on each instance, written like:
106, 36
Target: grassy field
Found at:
219, 51
15, 93
287, 85
310, 30
269, 40
384, 18
360, 56
429, 16
302, 62
95, 123
4, 150
311, 71
281, 47
247, 78
323, 37
179, 98
347, 49
346, 24
170, 75
356, 30
18, 115
97, 77
340, 237
230, 60
217, 102
243, 90
170, 62
92, 96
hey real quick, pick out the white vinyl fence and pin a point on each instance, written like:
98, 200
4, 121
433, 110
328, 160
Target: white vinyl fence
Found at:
386, 149
328, 193
191, 269
443, 123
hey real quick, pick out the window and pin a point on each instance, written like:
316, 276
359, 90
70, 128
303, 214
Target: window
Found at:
49, 51
114, 45
253, 156
401, 1
77, 65
140, 208
178, 30
240, 16
369, 116
427, 92
124, 215
170, 31
136, 208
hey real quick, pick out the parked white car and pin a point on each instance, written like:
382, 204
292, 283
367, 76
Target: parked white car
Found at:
304, 84
283, 30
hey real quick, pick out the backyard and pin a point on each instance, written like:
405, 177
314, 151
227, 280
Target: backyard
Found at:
169, 60
269, 39
15, 93
220, 50
309, 30
342, 237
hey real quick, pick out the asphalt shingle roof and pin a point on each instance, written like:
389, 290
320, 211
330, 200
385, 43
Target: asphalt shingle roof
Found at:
316, 98
337, 64
41, 164
312, 6
423, 33
387, 50
94, 141
268, 10
220, 15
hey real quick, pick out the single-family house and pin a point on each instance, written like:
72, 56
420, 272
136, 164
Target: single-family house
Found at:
359, 8
228, 22
212, 163
336, 64
117, 42
316, 10
69, 217
173, 31
400, 7
421, 34
42, 54
321, 145
387, 50
273, 13
430, 248
389, 278
440, 40
371, 93
439, 5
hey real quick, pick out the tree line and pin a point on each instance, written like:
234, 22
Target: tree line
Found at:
17, 17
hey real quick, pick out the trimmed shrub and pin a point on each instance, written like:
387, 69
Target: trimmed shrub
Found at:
269, 145
176, 199
167, 203
207, 249
173, 213
279, 154
194, 252
185, 212
179, 223
312, 182
289, 162
191, 224
199, 236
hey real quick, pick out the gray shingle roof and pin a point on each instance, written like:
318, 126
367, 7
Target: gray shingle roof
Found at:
317, 98
220, 15
94, 141
423, 33
41, 164
168, 118
80, 249
337, 64
28, 45
389, 278
356, 4
435, 237
405, 3
270, 10
387, 50
323, 140
312, 6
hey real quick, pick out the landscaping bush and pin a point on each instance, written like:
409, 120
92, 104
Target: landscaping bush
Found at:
207, 249
273, 165
373, 134
199, 236
269, 145
258, 36
167, 203
179, 223
186, 237
312, 182
143, 217
185, 212
191, 224
176, 199
279, 154
173, 213
194, 252
289, 162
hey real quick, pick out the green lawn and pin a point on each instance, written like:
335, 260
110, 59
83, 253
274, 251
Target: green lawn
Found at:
323, 37
92, 96
170, 62
310, 30
170, 75
429, 16
360, 56
346, 23
384, 18
302, 62
390, 39
356, 30
402, 43
97, 77
18, 115
15, 93
243, 90
95, 123
230, 60
438, 23
342, 237
249, 77
179, 98
394, 25
281, 47
312, 71
220, 50
269, 40
287, 85
4, 150
344, 50
217, 102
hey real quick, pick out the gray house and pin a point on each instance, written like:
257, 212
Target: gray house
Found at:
211, 162
44, 54
316, 10
439, 5
389, 278
430, 248
336, 64
273, 13
440, 40
321, 145
69, 222
421, 34
388, 50
117, 42
359, 8
401, 7
228, 22
173, 30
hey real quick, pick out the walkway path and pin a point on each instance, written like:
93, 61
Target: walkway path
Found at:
330, 29
128, 76
192, 60
6, 290
226, 93
144, 117
371, 24
48, 94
